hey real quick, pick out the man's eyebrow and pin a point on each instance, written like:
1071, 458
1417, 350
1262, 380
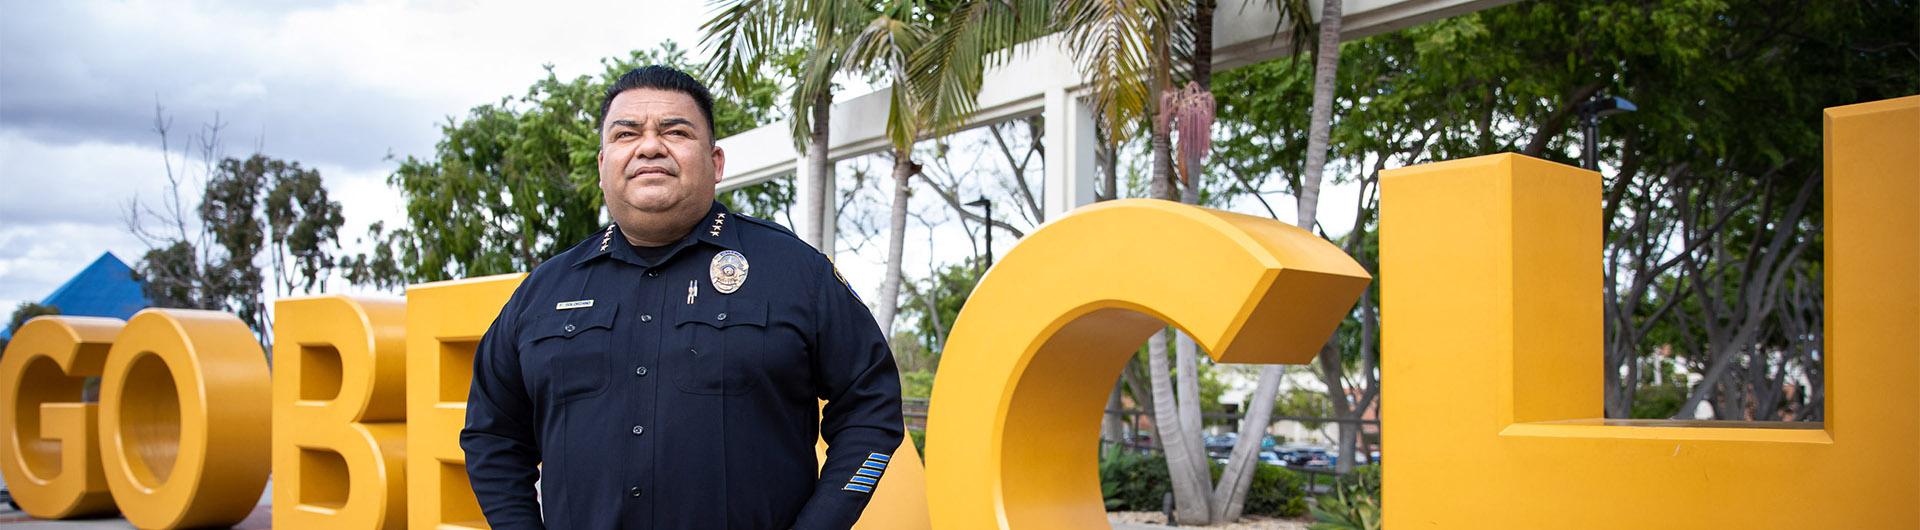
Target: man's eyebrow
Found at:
664, 123
669, 122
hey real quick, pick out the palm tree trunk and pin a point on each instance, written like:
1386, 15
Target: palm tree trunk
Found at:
1178, 422
1111, 429
1325, 71
1187, 354
903, 171
1189, 488
1111, 425
1161, 185
1325, 67
820, 170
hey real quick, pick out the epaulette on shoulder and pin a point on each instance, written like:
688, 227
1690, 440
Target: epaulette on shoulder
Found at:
769, 224
595, 244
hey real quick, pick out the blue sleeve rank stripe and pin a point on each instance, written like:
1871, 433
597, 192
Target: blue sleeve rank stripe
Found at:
868, 475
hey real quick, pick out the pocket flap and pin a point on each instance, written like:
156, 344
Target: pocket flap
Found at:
570, 322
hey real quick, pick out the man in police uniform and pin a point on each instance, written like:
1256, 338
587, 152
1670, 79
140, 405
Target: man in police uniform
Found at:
666, 372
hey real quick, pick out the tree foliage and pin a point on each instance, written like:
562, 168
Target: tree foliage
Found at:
247, 206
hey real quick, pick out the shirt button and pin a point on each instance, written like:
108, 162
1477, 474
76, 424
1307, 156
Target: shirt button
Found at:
646, 318
637, 430
640, 371
634, 491
569, 328
722, 316
653, 274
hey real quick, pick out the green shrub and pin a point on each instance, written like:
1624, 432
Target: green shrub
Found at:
1132, 481
1354, 504
916, 384
1276, 491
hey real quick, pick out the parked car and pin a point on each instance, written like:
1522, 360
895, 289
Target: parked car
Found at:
1271, 458
1221, 443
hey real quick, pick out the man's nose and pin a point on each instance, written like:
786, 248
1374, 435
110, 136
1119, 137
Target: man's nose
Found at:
650, 146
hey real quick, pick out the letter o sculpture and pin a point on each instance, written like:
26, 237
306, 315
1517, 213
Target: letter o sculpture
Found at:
181, 386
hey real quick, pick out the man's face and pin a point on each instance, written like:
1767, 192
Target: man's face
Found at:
657, 158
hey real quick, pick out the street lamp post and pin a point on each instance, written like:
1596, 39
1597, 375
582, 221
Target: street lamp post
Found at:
1590, 114
988, 216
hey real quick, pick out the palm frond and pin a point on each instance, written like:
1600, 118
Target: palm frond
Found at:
741, 35
884, 46
816, 78
1112, 44
947, 72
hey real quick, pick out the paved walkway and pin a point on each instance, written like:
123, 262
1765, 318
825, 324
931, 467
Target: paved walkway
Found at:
11, 519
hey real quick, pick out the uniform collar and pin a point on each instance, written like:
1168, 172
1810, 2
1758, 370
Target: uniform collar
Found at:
718, 228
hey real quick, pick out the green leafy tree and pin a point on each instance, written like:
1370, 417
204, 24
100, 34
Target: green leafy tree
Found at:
233, 214
214, 267
303, 225
937, 302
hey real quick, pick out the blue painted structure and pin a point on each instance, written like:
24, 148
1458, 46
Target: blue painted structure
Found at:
105, 288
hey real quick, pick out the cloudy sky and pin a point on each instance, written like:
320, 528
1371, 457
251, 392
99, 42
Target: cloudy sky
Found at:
338, 86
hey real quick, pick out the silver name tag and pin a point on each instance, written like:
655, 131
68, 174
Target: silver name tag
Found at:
576, 304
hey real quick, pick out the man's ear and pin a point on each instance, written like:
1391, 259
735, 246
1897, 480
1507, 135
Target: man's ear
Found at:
719, 163
600, 160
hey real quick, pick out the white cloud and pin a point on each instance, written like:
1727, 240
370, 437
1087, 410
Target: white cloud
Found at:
36, 259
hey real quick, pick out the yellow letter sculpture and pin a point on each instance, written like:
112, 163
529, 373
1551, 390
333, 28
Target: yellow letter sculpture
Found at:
444, 323
1016, 406
1493, 339
184, 419
51, 454
339, 413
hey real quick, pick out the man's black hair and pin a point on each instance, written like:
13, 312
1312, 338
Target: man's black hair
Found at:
661, 78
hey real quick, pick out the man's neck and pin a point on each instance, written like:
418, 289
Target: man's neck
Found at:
660, 234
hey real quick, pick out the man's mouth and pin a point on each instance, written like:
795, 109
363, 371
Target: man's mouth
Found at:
651, 172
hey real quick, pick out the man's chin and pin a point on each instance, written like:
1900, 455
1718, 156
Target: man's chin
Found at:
653, 204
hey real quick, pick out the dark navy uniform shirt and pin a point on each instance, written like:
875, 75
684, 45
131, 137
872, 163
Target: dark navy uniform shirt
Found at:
651, 400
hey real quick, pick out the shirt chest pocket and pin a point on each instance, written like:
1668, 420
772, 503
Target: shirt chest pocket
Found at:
719, 353
573, 348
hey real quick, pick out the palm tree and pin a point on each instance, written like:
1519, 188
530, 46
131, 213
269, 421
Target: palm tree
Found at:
884, 46
744, 34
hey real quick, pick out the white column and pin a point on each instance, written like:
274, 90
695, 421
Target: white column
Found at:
1070, 146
